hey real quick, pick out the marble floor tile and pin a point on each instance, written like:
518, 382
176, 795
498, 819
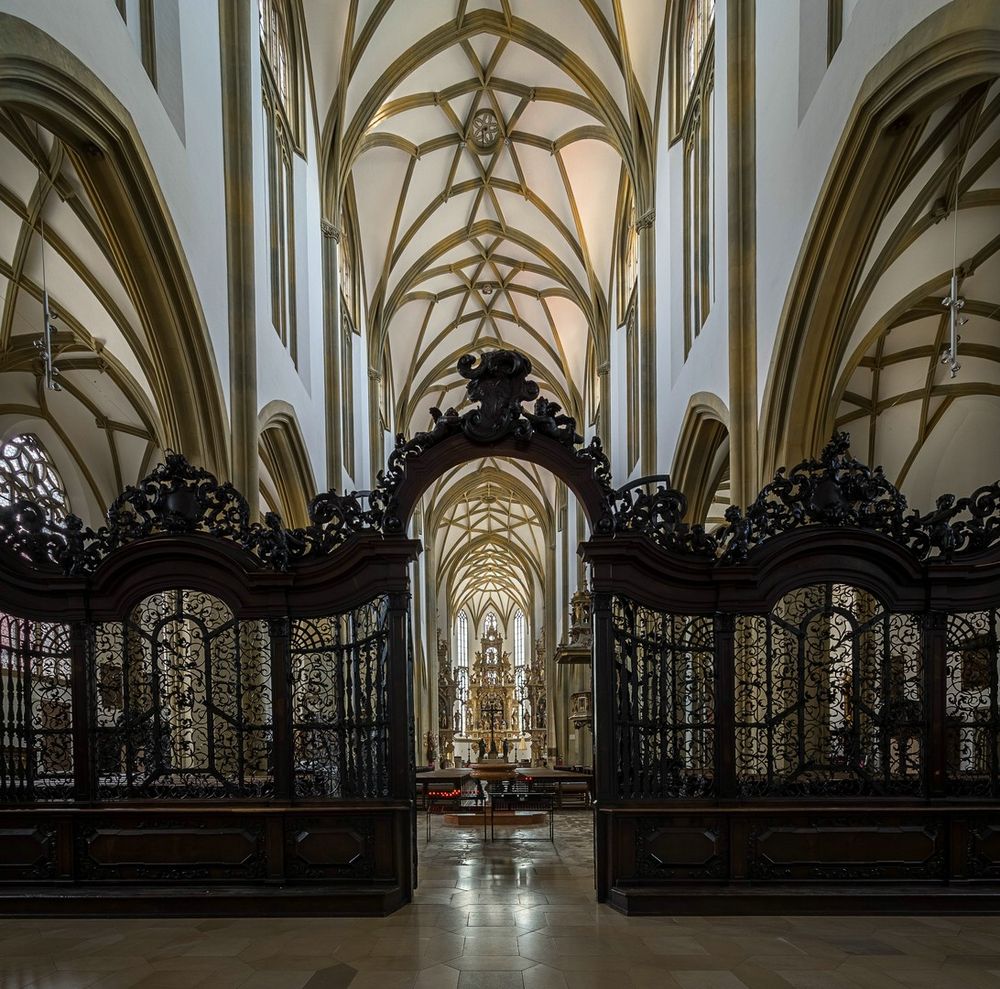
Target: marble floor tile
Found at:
518, 915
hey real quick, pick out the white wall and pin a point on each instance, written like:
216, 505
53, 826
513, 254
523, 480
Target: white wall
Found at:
278, 376
707, 364
184, 147
793, 157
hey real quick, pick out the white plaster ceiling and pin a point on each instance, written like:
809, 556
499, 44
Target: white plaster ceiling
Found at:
467, 249
100, 429
571, 84
491, 522
933, 433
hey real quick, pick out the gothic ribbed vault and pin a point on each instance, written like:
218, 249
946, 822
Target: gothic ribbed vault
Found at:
486, 157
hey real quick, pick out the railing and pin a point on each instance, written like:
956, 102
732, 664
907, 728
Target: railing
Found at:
828, 695
179, 703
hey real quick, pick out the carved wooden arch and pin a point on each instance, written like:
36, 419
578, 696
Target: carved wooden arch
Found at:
576, 474
195, 562
655, 576
497, 426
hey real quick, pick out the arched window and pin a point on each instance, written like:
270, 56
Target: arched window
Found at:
280, 111
462, 640
628, 254
349, 328
520, 634
593, 377
694, 84
27, 472
699, 18
461, 708
274, 41
490, 625
347, 266
628, 318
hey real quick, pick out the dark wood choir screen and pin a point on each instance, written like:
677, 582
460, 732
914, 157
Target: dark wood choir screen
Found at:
195, 701
798, 711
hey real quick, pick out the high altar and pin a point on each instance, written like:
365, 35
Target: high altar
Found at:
497, 710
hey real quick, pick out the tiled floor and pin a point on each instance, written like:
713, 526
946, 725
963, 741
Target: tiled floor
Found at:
518, 915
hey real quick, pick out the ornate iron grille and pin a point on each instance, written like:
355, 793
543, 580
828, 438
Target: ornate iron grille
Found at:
340, 703
972, 728
664, 702
829, 697
36, 715
181, 701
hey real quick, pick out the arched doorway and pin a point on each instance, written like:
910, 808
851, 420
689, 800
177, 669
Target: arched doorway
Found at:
496, 428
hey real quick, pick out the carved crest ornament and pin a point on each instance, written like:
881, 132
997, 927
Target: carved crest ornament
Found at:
833, 490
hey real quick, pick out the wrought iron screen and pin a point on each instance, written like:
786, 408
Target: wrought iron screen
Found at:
664, 708
36, 716
972, 709
829, 697
181, 701
340, 703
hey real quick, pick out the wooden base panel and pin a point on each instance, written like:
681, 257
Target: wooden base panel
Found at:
195, 901
771, 900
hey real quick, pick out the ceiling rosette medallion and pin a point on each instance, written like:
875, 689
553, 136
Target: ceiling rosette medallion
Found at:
485, 132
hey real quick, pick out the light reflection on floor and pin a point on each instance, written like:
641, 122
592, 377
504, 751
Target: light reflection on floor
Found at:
513, 915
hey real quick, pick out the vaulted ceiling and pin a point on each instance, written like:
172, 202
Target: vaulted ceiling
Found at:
492, 525
101, 428
484, 146
933, 432
485, 149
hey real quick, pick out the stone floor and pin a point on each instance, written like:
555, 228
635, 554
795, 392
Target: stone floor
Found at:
516, 915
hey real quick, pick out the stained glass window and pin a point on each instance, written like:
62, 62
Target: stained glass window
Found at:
27, 472
520, 632
462, 640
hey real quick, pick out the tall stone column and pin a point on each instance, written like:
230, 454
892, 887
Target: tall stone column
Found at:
237, 50
741, 154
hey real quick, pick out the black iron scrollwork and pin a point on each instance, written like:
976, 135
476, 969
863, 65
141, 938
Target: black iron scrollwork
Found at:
650, 507
834, 489
499, 387
45, 540
177, 498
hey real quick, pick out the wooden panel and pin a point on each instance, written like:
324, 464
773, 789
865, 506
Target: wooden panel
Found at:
679, 848
984, 850
27, 853
170, 850
330, 847
858, 848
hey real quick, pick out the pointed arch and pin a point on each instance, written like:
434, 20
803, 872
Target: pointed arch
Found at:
702, 457
43, 80
286, 463
947, 53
